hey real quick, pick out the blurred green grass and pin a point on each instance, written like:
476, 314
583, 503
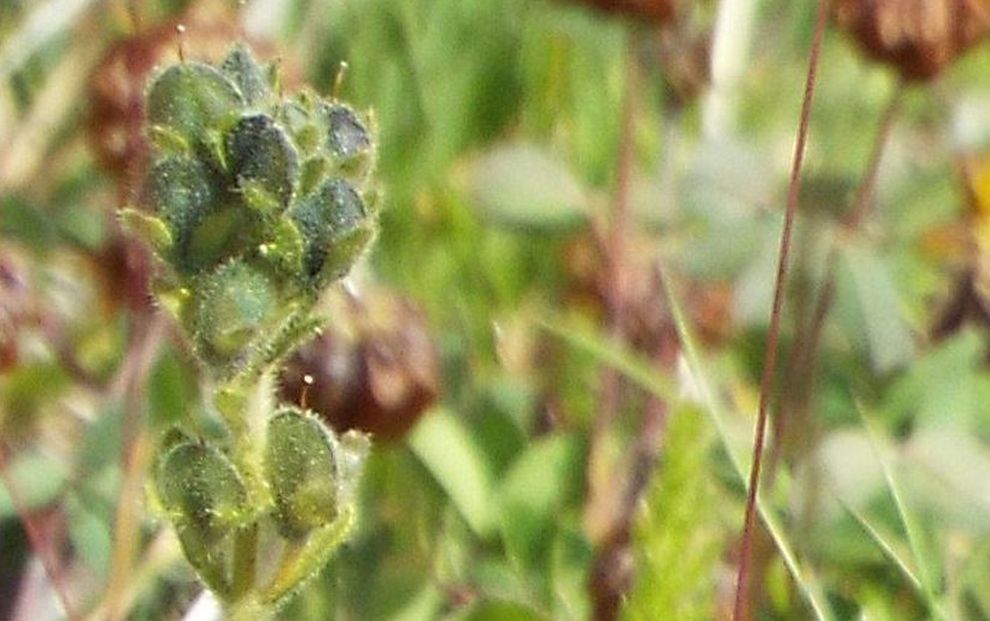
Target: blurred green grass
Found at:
501, 126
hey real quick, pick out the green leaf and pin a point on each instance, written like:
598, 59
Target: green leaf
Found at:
888, 336
533, 492
846, 462
570, 565
946, 387
24, 221
100, 447
90, 535
152, 231
500, 611
425, 606
36, 481
444, 445
171, 391
524, 188
950, 469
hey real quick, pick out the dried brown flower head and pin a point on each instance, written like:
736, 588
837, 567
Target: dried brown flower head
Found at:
375, 368
918, 37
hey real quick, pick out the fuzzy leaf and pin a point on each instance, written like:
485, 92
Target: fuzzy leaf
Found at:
206, 499
200, 488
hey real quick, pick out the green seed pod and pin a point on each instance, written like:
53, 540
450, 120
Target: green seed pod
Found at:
245, 72
219, 236
207, 502
302, 469
336, 226
258, 150
233, 307
199, 486
191, 98
183, 192
347, 136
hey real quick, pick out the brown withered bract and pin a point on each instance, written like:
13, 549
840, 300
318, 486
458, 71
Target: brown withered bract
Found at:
919, 38
375, 368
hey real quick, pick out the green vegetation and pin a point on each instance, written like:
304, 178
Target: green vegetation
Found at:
540, 242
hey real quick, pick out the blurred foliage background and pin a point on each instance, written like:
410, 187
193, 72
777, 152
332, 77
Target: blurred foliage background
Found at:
558, 338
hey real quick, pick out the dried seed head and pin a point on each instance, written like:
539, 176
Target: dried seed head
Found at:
375, 369
919, 38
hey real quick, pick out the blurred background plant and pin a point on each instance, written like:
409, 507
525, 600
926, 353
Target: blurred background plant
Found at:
557, 339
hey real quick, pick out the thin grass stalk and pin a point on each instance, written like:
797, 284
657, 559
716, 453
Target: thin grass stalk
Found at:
742, 601
804, 355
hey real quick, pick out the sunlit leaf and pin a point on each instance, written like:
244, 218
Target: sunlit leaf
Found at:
448, 451
522, 187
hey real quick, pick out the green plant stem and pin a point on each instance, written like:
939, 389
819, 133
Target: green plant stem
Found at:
245, 411
742, 601
245, 560
305, 560
249, 608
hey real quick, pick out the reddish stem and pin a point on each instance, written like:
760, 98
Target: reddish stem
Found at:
804, 353
741, 608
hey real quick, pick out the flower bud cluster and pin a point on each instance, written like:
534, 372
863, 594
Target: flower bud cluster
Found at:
259, 202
